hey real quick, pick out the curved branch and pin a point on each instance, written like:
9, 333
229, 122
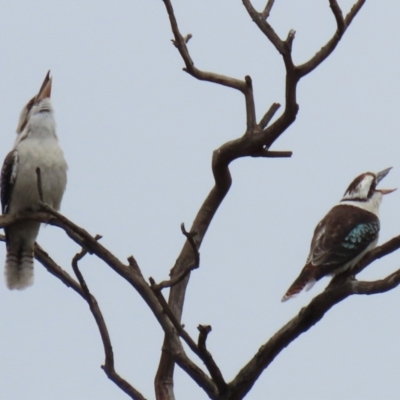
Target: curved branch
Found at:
256, 142
373, 255
342, 25
337, 12
264, 26
379, 286
243, 86
82, 290
133, 276
108, 366
306, 318
199, 349
267, 9
182, 274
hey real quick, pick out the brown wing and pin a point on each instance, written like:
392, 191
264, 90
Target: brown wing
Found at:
8, 177
345, 232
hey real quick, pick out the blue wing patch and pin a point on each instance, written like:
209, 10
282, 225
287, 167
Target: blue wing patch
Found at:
361, 234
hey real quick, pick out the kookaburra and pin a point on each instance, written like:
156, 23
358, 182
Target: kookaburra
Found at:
348, 231
36, 146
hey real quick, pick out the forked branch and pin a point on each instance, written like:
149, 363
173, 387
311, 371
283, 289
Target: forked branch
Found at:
256, 142
338, 290
108, 366
185, 272
81, 288
244, 86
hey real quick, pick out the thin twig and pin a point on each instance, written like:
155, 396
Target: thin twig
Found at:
243, 86
337, 12
264, 26
179, 277
326, 50
306, 318
180, 44
209, 362
108, 366
267, 9
133, 263
265, 120
39, 184
56, 270
379, 286
82, 289
273, 154
353, 12
202, 353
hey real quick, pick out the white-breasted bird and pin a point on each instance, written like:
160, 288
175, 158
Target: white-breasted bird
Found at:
347, 232
36, 146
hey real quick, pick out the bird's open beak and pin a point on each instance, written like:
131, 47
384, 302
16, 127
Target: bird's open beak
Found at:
379, 177
45, 89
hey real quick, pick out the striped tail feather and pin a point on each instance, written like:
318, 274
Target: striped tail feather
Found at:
19, 269
305, 280
20, 242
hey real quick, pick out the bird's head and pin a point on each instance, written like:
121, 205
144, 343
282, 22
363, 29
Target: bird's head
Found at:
39, 103
364, 188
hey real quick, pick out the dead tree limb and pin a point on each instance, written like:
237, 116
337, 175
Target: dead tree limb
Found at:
255, 142
82, 289
108, 366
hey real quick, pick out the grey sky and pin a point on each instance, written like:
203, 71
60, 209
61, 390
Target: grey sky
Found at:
138, 134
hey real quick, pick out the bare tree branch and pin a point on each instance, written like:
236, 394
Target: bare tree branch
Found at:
379, 286
39, 184
208, 360
353, 12
264, 26
337, 12
180, 44
243, 86
267, 9
307, 317
108, 366
256, 142
266, 119
202, 353
373, 255
273, 154
335, 292
83, 291
56, 270
134, 277
179, 277
326, 50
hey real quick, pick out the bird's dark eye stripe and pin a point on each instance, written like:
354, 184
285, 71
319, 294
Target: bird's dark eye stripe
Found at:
372, 189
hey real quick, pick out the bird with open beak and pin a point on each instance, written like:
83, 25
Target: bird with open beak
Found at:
348, 231
36, 148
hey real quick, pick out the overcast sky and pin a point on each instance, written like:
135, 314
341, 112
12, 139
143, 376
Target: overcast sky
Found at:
138, 135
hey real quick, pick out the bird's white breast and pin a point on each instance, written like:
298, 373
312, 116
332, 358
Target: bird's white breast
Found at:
38, 147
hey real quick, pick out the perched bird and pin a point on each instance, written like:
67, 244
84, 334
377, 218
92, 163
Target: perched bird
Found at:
348, 231
36, 146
